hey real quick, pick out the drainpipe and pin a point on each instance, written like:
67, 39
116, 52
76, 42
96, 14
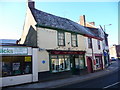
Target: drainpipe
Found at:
92, 57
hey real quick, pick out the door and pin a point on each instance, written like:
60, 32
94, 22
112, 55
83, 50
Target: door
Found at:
75, 64
99, 63
89, 65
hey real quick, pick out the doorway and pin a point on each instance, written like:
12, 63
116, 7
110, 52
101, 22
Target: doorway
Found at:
75, 64
89, 65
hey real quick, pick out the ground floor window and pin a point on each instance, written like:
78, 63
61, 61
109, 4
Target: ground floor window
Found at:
63, 62
60, 63
98, 62
16, 65
79, 61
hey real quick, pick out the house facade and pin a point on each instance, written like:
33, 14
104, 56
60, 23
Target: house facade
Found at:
63, 46
100, 32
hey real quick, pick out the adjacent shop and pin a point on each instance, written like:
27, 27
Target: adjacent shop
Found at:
17, 65
98, 61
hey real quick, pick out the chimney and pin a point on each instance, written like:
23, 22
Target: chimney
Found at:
31, 4
82, 20
93, 23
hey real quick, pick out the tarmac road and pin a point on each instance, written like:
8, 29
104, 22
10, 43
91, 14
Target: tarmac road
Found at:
111, 80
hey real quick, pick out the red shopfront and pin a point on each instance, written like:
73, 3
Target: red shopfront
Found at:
66, 60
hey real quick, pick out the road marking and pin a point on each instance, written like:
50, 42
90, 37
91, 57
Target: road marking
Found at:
111, 85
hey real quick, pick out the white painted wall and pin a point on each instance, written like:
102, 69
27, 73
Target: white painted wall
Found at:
43, 55
0, 82
29, 21
14, 80
47, 39
95, 46
35, 64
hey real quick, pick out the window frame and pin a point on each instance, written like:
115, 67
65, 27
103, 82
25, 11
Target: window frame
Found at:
98, 42
76, 40
89, 42
17, 66
58, 58
58, 38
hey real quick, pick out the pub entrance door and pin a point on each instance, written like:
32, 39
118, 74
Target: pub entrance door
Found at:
75, 64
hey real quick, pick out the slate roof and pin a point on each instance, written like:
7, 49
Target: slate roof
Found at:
46, 19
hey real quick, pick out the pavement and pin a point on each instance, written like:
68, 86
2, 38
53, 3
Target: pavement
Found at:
73, 79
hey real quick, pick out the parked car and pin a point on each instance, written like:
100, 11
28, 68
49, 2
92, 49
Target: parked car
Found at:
113, 59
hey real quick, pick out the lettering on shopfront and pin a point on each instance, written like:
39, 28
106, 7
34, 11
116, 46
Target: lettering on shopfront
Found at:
67, 52
14, 50
6, 51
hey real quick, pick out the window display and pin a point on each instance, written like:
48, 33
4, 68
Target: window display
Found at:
60, 63
16, 65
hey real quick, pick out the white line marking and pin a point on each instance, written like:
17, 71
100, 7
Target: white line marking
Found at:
111, 85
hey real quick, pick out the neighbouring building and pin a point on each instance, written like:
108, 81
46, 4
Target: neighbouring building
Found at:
64, 47
115, 51
18, 63
101, 33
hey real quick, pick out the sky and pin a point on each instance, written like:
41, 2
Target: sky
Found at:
12, 15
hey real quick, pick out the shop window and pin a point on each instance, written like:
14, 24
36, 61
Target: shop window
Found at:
54, 63
16, 65
61, 38
82, 62
79, 62
60, 63
74, 40
97, 62
67, 62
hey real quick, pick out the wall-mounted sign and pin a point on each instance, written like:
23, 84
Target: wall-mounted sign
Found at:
43, 61
67, 52
14, 50
27, 59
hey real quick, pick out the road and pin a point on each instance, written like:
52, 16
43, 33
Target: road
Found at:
111, 80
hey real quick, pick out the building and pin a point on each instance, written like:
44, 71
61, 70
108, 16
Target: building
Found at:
18, 63
115, 51
64, 46
101, 33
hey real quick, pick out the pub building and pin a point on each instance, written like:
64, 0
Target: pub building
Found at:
63, 45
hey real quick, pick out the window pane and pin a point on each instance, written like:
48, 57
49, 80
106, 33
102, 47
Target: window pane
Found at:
61, 63
67, 62
74, 40
81, 62
16, 65
60, 38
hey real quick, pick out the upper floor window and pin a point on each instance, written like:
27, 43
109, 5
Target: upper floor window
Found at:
61, 38
74, 40
89, 42
98, 44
